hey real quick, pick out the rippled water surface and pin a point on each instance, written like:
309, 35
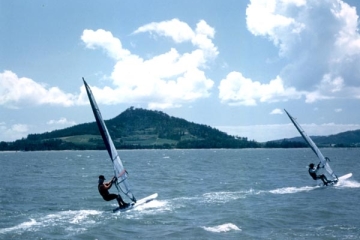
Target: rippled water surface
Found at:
203, 194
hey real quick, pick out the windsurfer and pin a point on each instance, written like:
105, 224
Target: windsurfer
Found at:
104, 187
313, 173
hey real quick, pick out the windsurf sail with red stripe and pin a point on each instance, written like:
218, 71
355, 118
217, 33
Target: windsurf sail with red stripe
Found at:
119, 170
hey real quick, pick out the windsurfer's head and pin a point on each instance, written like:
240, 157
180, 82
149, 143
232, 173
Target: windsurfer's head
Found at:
101, 179
311, 165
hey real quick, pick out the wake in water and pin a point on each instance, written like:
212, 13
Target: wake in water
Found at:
341, 184
73, 220
348, 183
153, 207
222, 228
289, 190
223, 197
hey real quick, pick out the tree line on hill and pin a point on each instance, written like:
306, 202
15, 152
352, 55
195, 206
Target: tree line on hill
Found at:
145, 129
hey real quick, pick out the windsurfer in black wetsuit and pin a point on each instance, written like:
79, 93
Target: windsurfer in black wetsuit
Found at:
313, 173
104, 192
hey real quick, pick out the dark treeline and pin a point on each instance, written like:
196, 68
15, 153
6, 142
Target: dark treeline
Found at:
58, 144
30, 145
147, 129
285, 144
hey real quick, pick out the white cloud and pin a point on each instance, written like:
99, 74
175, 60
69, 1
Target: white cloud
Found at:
276, 111
316, 96
269, 18
181, 32
20, 128
13, 132
61, 121
318, 39
338, 110
203, 35
16, 92
348, 38
235, 89
177, 30
166, 80
104, 39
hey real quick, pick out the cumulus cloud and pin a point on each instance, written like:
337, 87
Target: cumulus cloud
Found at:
177, 30
318, 40
105, 40
61, 121
276, 111
181, 32
13, 132
16, 92
235, 89
166, 80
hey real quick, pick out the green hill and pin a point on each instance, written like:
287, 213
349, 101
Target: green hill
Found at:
133, 129
344, 139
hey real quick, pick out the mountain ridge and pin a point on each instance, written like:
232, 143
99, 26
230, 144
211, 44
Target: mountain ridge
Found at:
347, 138
137, 128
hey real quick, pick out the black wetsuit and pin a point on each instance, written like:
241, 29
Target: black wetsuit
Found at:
111, 196
105, 193
313, 174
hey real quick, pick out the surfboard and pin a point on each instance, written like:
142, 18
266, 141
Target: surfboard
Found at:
339, 179
346, 176
137, 203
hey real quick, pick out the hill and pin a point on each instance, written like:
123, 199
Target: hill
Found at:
133, 129
344, 139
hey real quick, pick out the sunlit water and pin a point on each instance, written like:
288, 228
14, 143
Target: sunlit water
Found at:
203, 194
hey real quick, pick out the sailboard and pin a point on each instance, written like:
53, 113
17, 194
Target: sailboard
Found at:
137, 203
120, 173
346, 176
324, 161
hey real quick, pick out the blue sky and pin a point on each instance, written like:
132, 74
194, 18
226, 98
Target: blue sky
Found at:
233, 65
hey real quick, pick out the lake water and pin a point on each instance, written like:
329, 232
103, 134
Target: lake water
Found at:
203, 194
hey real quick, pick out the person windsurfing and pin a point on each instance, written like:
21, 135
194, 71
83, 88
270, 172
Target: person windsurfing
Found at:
104, 192
313, 171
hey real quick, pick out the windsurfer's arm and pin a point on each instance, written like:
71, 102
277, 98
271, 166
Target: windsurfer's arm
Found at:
108, 185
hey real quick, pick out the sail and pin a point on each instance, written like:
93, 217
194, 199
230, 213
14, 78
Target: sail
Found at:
119, 170
324, 161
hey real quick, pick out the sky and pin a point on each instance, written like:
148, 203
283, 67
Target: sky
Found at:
232, 65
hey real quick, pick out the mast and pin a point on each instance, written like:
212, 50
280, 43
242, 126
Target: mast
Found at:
323, 160
119, 170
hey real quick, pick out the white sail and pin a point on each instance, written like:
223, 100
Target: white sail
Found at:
324, 161
119, 170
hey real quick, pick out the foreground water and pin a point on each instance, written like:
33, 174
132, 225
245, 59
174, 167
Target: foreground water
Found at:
203, 194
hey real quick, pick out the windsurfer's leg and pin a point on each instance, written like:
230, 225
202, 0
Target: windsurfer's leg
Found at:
324, 179
112, 197
121, 201
321, 177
